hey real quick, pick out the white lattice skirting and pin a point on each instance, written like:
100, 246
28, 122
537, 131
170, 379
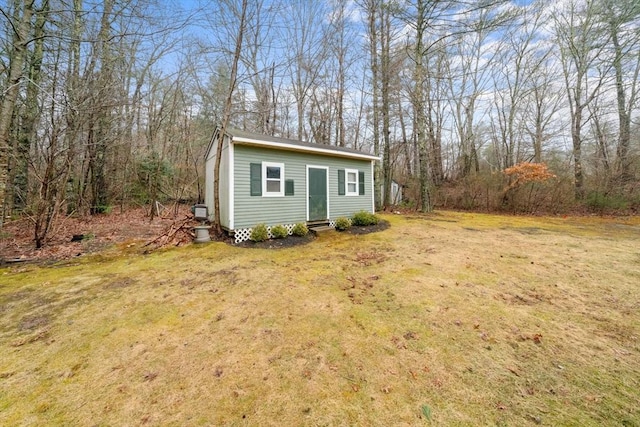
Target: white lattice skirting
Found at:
242, 234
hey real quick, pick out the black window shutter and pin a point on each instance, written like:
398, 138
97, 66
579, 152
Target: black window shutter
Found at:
361, 182
288, 187
341, 183
256, 179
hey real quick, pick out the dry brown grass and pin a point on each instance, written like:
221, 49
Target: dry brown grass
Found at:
448, 319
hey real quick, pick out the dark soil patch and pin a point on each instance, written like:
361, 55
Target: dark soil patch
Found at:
366, 229
33, 322
120, 283
293, 241
288, 242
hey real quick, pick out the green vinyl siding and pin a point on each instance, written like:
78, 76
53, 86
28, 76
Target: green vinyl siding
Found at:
342, 205
251, 210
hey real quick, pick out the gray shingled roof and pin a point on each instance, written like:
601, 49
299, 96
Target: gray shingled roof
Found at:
338, 150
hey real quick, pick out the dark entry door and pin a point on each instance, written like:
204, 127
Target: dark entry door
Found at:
317, 182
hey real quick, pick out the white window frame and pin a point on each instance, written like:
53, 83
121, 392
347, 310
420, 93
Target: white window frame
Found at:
346, 182
266, 193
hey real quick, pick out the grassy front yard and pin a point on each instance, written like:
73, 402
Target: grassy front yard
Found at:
448, 319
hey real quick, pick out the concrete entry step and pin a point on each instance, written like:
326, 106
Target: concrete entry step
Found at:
321, 229
317, 223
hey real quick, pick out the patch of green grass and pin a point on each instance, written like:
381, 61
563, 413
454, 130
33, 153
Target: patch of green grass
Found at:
443, 319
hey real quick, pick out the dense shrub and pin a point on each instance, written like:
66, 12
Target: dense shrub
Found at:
154, 174
300, 229
601, 202
363, 218
499, 192
279, 232
527, 187
342, 223
259, 233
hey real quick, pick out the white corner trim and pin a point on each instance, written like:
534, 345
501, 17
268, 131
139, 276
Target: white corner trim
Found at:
306, 189
373, 186
232, 187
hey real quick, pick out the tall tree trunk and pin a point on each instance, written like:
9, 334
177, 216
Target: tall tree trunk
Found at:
434, 120
623, 165
53, 171
102, 123
340, 49
602, 155
576, 139
16, 70
418, 106
372, 11
538, 132
225, 120
581, 41
385, 77
28, 128
74, 189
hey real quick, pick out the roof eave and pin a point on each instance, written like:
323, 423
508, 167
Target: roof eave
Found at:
305, 149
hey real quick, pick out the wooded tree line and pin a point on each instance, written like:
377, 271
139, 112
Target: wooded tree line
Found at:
110, 103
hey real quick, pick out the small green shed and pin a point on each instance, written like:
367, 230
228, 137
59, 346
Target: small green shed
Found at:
270, 180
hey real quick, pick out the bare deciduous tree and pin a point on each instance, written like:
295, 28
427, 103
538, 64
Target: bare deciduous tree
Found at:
581, 41
20, 24
227, 112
